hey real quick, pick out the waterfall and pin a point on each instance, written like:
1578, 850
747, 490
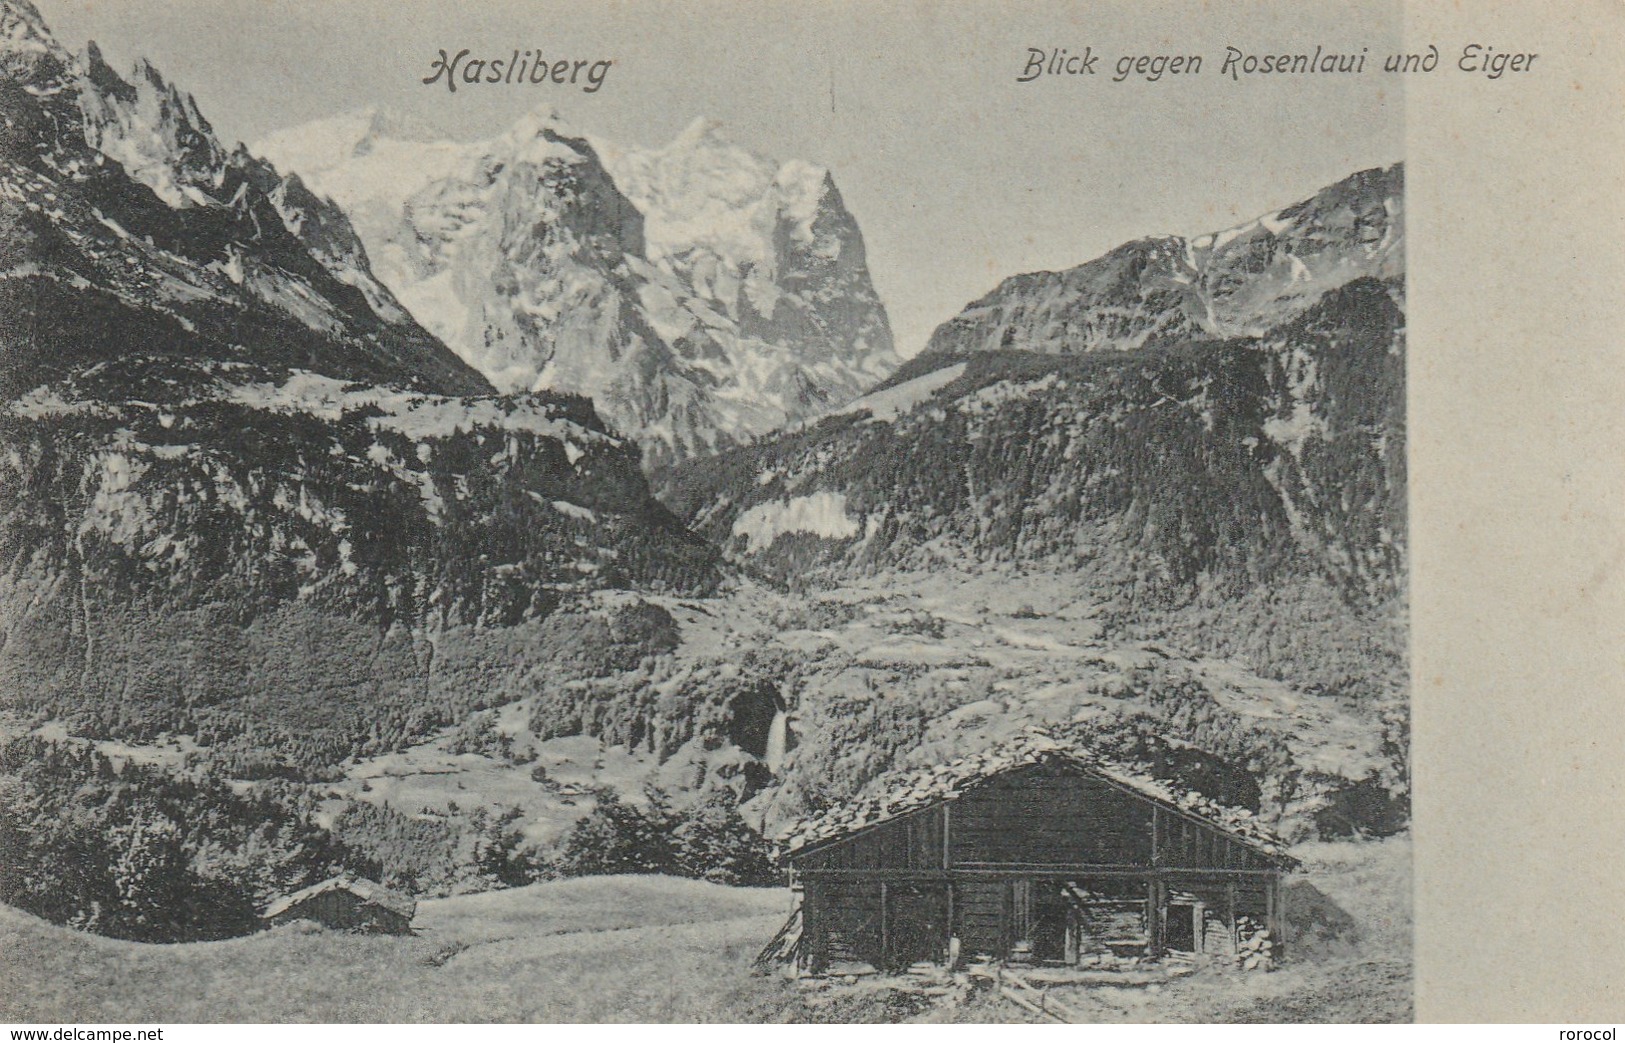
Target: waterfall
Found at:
777, 732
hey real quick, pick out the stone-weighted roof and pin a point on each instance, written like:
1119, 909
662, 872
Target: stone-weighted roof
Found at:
899, 793
366, 890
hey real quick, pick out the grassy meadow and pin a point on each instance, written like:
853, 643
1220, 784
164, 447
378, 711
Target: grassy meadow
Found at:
658, 949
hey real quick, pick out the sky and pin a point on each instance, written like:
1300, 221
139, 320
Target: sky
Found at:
958, 175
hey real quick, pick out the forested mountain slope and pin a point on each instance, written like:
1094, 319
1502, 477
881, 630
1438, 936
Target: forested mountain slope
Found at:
1246, 492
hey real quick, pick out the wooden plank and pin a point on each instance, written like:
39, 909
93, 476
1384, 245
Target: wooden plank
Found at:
844, 840
1065, 817
1014, 997
996, 870
1023, 868
1057, 818
1007, 897
1021, 910
1153, 917
874, 874
817, 931
1230, 912
1174, 873
885, 926
1022, 992
1271, 910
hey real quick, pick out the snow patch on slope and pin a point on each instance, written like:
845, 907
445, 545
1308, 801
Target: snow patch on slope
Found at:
886, 406
820, 514
414, 414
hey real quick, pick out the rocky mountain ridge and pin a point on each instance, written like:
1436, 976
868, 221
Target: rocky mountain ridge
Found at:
121, 184
1240, 282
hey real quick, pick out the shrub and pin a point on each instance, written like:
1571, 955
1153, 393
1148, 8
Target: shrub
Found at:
618, 838
715, 843
710, 841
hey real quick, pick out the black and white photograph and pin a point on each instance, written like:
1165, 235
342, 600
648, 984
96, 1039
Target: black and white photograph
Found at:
709, 513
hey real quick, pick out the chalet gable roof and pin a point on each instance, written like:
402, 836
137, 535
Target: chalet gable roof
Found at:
899, 793
366, 890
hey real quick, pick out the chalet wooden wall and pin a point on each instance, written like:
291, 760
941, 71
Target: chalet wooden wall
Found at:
1186, 842
1040, 816
983, 907
1068, 861
908, 842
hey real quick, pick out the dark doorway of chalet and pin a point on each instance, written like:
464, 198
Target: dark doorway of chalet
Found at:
917, 924
1179, 929
1051, 919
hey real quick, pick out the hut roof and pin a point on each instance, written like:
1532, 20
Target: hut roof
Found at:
898, 793
366, 890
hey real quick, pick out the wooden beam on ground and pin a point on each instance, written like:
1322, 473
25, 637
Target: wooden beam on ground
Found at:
1017, 989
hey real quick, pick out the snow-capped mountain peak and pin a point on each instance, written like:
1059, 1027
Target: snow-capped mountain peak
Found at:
701, 294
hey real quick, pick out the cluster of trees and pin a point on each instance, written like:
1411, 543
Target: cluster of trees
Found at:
297, 690
136, 852
482, 850
1299, 630
1236, 761
710, 841
1142, 739
1147, 448
417, 854
860, 733
599, 643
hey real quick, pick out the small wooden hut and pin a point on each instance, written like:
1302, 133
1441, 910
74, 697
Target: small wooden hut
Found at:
1034, 851
346, 903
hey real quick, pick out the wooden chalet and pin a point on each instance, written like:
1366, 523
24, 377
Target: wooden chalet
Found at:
1034, 851
346, 903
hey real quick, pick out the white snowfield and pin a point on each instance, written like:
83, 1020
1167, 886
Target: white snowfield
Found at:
702, 192
820, 514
